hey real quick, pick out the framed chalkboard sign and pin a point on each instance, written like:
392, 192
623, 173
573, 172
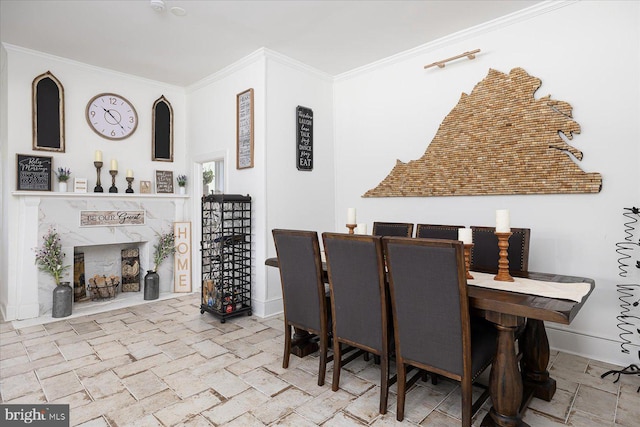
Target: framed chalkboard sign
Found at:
164, 181
244, 129
162, 131
33, 173
304, 138
47, 113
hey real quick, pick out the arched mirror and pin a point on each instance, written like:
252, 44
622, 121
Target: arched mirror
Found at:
162, 131
48, 113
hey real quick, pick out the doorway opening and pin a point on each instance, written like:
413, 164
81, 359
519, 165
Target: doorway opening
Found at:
213, 177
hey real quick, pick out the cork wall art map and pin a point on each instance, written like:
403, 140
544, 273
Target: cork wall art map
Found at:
499, 139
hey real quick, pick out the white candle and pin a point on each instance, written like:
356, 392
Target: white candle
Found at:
129, 173
114, 165
351, 216
361, 228
465, 235
502, 221
98, 157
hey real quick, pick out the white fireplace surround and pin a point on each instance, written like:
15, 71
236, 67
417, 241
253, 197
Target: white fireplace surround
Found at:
41, 210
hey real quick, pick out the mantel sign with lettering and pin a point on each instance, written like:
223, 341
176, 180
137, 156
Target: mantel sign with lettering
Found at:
111, 218
33, 173
304, 138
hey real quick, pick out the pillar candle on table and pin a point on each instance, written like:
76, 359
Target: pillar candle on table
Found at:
129, 173
351, 215
361, 228
465, 235
502, 221
98, 156
114, 165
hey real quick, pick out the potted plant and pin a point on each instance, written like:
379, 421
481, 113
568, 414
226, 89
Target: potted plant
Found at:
182, 183
63, 175
50, 258
161, 250
207, 178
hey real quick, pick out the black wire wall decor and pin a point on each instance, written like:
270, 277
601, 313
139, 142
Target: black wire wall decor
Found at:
628, 319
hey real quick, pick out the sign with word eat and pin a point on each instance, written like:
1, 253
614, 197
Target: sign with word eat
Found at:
304, 138
182, 257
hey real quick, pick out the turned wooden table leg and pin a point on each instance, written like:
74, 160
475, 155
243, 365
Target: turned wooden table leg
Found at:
505, 383
535, 359
302, 343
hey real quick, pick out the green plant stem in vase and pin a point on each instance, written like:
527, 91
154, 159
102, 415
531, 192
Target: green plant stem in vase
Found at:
63, 174
166, 246
50, 257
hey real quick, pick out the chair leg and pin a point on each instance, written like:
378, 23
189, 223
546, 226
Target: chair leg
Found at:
323, 359
402, 382
287, 345
384, 383
467, 401
337, 364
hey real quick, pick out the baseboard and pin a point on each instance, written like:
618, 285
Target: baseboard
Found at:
592, 347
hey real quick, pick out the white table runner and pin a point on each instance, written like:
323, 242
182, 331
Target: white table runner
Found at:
570, 291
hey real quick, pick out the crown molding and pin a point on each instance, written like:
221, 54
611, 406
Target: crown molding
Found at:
460, 36
258, 55
18, 49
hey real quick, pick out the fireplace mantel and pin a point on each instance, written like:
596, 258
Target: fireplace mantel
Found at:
97, 195
39, 210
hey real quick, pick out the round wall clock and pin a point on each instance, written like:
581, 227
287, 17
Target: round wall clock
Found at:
111, 116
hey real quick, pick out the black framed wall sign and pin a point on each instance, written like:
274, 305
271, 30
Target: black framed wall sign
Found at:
162, 130
33, 173
244, 129
47, 113
304, 138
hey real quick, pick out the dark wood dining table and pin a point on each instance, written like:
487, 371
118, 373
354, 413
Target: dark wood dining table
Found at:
512, 385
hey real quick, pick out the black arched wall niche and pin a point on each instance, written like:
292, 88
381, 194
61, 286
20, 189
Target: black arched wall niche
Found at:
162, 144
48, 113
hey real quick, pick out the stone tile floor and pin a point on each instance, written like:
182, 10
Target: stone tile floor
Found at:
164, 364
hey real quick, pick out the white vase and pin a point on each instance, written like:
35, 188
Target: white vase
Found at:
62, 187
182, 190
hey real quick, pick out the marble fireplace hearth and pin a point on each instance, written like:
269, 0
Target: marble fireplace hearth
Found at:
31, 296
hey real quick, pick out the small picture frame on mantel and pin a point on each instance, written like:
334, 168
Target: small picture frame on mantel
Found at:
80, 185
145, 187
164, 182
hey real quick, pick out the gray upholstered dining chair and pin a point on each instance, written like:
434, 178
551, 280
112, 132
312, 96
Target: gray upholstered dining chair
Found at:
438, 231
402, 229
485, 252
358, 302
432, 326
303, 291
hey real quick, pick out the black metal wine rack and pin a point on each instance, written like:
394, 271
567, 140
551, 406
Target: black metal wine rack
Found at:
226, 255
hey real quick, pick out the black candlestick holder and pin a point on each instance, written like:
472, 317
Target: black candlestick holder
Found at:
98, 187
129, 181
113, 188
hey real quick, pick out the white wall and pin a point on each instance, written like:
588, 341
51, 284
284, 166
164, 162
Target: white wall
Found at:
281, 196
212, 131
391, 110
81, 82
296, 199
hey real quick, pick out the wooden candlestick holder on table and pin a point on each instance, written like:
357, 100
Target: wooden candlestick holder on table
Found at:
351, 227
503, 263
467, 259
